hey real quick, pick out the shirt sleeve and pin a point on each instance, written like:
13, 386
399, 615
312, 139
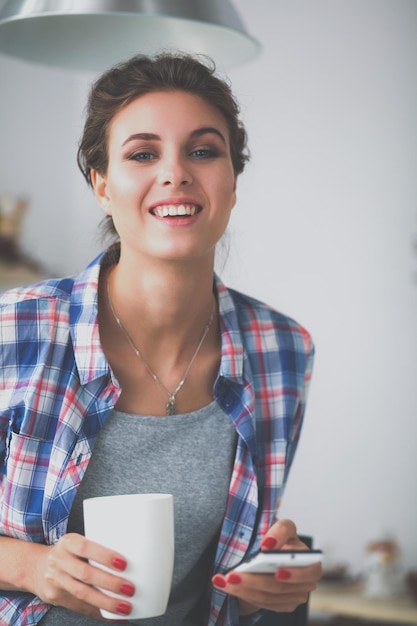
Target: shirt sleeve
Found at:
251, 620
299, 416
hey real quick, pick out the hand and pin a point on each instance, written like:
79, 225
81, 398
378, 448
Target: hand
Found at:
63, 577
283, 591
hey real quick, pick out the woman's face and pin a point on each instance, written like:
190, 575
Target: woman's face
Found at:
170, 183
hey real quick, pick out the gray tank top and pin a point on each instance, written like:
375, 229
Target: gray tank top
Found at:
189, 455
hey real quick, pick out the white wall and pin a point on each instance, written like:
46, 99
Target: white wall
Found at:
323, 231
41, 114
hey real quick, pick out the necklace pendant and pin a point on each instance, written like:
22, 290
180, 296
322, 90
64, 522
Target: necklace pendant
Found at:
171, 408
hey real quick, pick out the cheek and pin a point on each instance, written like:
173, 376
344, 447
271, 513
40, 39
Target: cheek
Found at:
229, 191
121, 187
224, 180
233, 198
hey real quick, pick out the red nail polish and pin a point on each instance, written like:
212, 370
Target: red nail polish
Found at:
234, 579
123, 608
119, 564
269, 543
219, 581
127, 589
283, 574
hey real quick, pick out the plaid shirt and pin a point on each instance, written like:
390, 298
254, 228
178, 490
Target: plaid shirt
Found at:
56, 391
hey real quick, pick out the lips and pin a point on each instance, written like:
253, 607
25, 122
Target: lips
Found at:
175, 210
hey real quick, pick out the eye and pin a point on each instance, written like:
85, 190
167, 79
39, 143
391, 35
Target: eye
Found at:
205, 153
142, 156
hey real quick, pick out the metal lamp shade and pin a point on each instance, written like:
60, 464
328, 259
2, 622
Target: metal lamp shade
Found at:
92, 35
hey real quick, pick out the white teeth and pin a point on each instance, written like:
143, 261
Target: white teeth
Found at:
173, 210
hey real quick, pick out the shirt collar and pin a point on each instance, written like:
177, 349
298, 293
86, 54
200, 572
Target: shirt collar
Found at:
231, 366
89, 357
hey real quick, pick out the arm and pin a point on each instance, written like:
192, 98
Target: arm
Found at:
283, 591
61, 575
301, 408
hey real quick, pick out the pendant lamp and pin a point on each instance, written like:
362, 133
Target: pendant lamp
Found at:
92, 35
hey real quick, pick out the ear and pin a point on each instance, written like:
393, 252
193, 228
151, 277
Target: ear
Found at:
99, 183
234, 193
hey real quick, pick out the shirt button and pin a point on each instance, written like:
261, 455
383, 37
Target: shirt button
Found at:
229, 400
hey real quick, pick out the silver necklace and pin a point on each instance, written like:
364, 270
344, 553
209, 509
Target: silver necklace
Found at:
170, 406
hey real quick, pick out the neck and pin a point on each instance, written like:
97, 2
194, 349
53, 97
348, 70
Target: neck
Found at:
164, 325
169, 304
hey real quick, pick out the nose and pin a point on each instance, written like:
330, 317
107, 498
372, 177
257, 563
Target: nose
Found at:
174, 171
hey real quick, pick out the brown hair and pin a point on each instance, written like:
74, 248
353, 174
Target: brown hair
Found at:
140, 75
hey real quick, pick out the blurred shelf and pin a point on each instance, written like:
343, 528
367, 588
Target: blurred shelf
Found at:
16, 275
347, 599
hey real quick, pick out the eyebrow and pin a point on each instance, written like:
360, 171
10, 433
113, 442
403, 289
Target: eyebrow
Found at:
205, 130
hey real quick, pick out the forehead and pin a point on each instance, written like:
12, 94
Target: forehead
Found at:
162, 111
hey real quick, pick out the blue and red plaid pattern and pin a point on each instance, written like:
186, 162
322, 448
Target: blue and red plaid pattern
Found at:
56, 391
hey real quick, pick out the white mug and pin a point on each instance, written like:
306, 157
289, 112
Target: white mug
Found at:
141, 528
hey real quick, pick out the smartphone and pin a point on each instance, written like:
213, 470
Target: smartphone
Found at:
269, 562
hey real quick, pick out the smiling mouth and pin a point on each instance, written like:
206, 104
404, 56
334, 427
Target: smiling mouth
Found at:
176, 210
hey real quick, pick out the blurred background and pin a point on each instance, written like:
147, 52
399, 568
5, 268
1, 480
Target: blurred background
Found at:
323, 230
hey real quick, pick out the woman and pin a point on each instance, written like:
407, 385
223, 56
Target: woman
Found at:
144, 373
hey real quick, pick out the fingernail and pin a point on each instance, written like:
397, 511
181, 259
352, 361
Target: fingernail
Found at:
283, 574
127, 589
119, 564
123, 608
219, 581
269, 543
234, 579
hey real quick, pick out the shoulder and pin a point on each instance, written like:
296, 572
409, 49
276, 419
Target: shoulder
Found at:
36, 311
262, 326
48, 289
53, 290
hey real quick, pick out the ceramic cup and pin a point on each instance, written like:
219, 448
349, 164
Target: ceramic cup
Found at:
141, 528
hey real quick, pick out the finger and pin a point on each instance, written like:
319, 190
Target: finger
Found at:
272, 584
74, 604
74, 567
264, 591
93, 575
87, 549
84, 598
294, 582
72, 579
296, 575
283, 532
